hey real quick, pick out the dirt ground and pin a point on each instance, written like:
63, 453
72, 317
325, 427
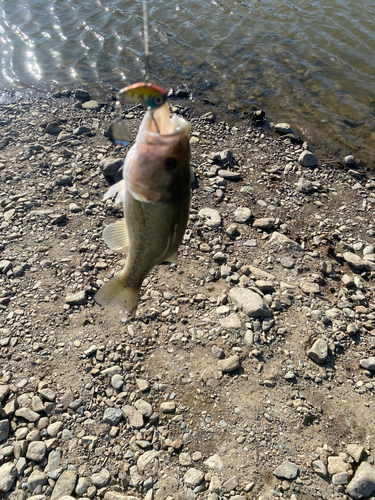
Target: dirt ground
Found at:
213, 398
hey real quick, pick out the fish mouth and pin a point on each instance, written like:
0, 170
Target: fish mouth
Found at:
161, 123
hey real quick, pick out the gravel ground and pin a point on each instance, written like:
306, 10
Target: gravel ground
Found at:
248, 372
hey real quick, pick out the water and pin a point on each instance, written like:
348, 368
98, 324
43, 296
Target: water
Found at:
308, 62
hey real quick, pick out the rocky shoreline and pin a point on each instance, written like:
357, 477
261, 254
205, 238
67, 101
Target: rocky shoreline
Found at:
248, 372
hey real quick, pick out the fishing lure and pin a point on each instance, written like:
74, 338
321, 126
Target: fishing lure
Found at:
151, 96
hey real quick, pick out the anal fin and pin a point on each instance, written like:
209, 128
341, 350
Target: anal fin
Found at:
172, 258
114, 292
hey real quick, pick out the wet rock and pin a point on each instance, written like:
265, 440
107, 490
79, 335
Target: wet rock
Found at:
8, 474
307, 159
283, 128
228, 365
318, 351
82, 95
211, 216
287, 470
250, 303
350, 161
363, 482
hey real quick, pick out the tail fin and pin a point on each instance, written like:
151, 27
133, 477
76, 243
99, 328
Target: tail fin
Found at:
114, 292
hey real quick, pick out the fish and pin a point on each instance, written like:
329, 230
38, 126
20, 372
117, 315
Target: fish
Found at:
151, 96
155, 192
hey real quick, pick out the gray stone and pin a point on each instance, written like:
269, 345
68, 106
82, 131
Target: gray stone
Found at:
287, 262
82, 486
101, 479
27, 414
67, 398
229, 176
304, 186
65, 484
217, 352
282, 241
8, 474
146, 459
193, 477
231, 321
54, 429
111, 167
340, 478
318, 351
368, 364
37, 404
287, 470
228, 365
184, 459
211, 216
92, 105
363, 482
250, 303
264, 223
112, 416
355, 451
242, 215
307, 159
142, 384
168, 407
53, 460
354, 260
4, 391
144, 407
36, 451
350, 161
4, 430
135, 417
52, 128
319, 468
307, 287
77, 298
74, 208
230, 484
36, 478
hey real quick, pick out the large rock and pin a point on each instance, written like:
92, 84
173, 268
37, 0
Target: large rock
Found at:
193, 477
250, 303
363, 483
112, 167
354, 260
8, 474
65, 485
211, 216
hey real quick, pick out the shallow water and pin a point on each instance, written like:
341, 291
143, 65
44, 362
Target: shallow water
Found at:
309, 62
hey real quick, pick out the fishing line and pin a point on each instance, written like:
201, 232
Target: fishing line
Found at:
145, 33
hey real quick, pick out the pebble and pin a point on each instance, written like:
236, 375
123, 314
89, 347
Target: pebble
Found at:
368, 364
77, 298
101, 479
318, 351
112, 416
4, 430
36, 478
250, 303
184, 459
193, 477
319, 468
304, 185
340, 478
217, 352
287, 262
144, 407
231, 322
264, 223
230, 176
355, 451
27, 414
228, 365
168, 407
283, 128
242, 215
280, 240
117, 381
230, 484
309, 287
287, 470
211, 216
363, 483
143, 385
354, 260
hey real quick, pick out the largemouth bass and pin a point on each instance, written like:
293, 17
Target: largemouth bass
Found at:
155, 192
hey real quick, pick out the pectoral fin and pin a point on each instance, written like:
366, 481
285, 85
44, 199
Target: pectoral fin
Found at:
116, 235
172, 258
119, 189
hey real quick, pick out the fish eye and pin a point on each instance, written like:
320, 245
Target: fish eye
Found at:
171, 163
158, 100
